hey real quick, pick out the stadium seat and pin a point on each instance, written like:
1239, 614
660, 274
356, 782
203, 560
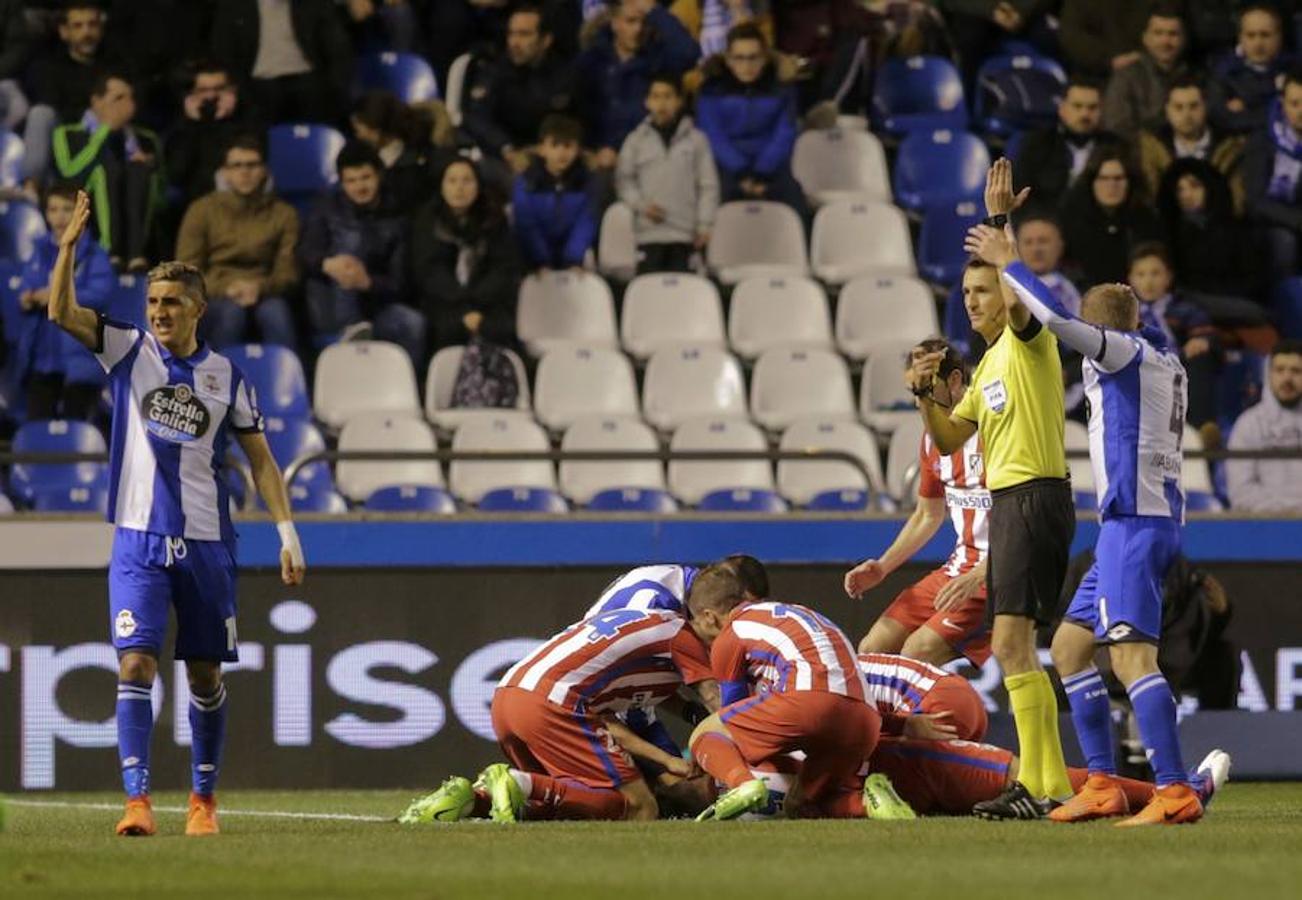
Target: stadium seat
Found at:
12, 155
1287, 301
573, 382
686, 382
317, 497
412, 498
834, 164
852, 239
517, 499
21, 223
581, 481
291, 438
406, 75
56, 436
670, 309
301, 158
902, 461
689, 481
11, 281
1196, 476
940, 166
276, 375
1042, 81
794, 383
875, 310
884, 399
778, 312
742, 500
839, 501
918, 92
471, 479
361, 377
941, 256
633, 500
957, 327
6, 505
441, 380
801, 482
565, 308
756, 238
91, 498
455, 93
358, 479
616, 244
127, 302
1077, 437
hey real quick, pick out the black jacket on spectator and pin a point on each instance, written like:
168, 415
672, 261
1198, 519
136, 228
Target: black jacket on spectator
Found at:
507, 103
1044, 162
1232, 78
15, 38
1211, 249
414, 176
1098, 241
1258, 169
195, 150
60, 81
376, 235
317, 27
158, 36
1094, 31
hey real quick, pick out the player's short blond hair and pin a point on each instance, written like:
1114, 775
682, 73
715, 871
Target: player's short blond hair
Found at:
1111, 306
718, 587
184, 274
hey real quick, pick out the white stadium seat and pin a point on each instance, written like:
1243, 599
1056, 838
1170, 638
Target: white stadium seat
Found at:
794, 383
687, 382
565, 308
690, 481
616, 243
854, 238
580, 481
441, 378
573, 382
1077, 437
778, 312
357, 480
876, 309
1195, 474
800, 482
363, 376
902, 461
471, 479
670, 309
884, 398
838, 164
754, 238
456, 87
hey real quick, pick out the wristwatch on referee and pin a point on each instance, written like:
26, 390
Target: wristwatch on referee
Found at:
999, 220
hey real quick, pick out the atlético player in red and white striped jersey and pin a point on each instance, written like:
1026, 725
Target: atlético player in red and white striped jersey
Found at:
942, 617
905, 689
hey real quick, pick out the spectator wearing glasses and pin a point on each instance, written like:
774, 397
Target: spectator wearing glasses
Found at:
1104, 216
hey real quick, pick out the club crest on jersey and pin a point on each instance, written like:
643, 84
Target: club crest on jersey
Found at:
995, 394
210, 382
173, 413
125, 624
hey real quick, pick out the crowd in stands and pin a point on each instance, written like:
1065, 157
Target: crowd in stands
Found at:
1161, 141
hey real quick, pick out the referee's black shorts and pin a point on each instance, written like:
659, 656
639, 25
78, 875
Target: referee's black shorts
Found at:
1031, 528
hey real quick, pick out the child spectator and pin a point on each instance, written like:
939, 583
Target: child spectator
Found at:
554, 200
666, 175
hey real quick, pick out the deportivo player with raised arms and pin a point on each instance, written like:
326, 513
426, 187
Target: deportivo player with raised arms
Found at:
174, 404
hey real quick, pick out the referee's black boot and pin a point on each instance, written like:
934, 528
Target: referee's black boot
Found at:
1015, 802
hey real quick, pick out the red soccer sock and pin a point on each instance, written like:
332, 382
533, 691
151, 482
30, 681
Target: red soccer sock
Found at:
845, 805
1138, 793
716, 753
565, 798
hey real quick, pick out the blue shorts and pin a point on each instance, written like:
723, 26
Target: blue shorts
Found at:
151, 573
1120, 598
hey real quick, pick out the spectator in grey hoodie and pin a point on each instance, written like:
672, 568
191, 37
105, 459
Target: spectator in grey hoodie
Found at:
666, 175
1271, 485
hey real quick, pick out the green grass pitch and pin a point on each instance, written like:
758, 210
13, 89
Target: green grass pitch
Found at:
1250, 845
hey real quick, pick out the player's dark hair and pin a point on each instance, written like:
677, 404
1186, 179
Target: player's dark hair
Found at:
667, 78
754, 577
746, 31
60, 188
718, 587
356, 154
188, 276
1284, 347
1150, 249
951, 362
561, 129
247, 141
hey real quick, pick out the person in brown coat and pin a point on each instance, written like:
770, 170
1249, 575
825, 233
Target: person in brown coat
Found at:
1136, 94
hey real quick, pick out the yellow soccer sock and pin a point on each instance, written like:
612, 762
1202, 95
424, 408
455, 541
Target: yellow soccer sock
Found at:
1053, 768
1027, 702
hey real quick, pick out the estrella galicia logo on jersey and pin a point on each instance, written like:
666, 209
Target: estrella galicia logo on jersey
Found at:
173, 413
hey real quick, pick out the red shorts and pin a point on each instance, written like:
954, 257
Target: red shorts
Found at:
964, 628
540, 736
955, 695
942, 777
835, 732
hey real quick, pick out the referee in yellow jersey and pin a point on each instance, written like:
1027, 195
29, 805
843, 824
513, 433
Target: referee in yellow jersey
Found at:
1015, 401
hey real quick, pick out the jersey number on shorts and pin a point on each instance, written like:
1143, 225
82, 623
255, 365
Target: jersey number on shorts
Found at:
607, 625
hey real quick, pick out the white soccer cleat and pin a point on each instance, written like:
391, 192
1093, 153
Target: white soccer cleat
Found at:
1216, 766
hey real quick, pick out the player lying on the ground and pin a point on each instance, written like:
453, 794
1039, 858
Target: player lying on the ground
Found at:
942, 617
919, 700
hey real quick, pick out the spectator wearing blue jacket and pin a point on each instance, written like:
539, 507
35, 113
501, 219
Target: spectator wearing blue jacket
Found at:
1245, 81
641, 40
59, 377
750, 119
555, 200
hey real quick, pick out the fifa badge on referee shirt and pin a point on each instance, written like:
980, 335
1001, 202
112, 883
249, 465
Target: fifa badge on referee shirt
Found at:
995, 394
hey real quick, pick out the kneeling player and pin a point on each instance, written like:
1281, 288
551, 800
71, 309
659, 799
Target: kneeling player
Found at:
917, 699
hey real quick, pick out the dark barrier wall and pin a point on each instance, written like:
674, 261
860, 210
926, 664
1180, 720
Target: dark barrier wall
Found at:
382, 677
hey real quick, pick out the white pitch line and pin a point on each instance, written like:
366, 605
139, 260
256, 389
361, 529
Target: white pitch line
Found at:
263, 813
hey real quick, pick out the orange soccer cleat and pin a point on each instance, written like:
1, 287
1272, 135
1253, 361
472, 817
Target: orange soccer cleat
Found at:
1100, 797
202, 817
1175, 804
138, 820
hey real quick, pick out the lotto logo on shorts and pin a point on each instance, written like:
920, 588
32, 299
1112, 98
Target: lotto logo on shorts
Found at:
125, 626
1119, 632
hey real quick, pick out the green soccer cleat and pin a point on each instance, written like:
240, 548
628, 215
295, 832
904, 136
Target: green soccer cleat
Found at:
881, 802
505, 795
452, 801
749, 797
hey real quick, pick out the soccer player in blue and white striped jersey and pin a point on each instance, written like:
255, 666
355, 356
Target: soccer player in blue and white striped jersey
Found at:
175, 403
1137, 393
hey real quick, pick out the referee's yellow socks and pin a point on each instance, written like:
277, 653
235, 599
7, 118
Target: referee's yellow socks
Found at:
1053, 768
1026, 699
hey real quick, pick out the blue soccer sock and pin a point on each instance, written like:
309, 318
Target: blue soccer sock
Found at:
1155, 712
1092, 717
135, 719
207, 736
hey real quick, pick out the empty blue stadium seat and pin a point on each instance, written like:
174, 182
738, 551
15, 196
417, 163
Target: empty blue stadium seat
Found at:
277, 376
302, 160
56, 436
1013, 146
127, 303
92, 498
412, 498
407, 75
939, 166
21, 223
12, 154
743, 500
633, 500
941, 256
956, 325
918, 92
540, 500
288, 439
1003, 107
319, 497
840, 501
1240, 385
